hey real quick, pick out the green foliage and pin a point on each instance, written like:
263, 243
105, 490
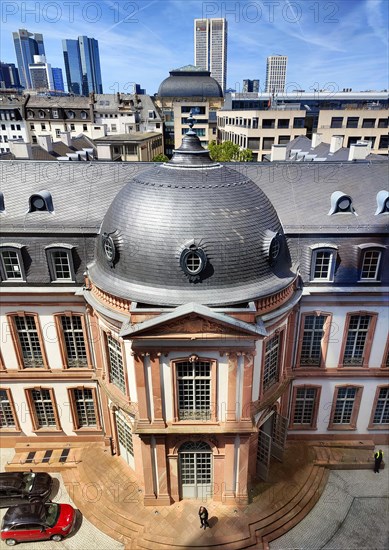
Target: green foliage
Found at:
229, 152
160, 158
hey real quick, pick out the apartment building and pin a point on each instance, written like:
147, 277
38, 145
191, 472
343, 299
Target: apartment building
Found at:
12, 122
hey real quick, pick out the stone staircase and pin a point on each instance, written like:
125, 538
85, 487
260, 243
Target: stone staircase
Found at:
45, 457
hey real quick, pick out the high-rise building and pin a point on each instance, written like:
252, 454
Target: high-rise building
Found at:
27, 45
58, 79
82, 65
250, 86
210, 48
9, 76
276, 73
41, 74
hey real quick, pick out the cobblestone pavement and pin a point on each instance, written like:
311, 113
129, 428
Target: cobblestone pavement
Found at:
85, 536
352, 514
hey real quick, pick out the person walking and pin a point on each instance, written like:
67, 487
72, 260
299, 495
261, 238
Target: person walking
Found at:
203, 515
378, 456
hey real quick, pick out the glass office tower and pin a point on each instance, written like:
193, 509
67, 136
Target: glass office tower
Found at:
82, 65
27, 45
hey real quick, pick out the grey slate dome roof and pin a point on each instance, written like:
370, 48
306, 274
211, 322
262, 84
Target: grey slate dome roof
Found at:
190, 81
210, 213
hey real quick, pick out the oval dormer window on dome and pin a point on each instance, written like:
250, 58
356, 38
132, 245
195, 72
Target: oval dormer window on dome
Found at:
275, 248
382, 202
109, 248
41, 202
193, 261
341, 204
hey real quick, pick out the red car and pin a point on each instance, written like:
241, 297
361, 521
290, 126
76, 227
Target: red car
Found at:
37, 521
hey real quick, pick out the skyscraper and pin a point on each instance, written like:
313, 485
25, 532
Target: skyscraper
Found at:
58, 79
27, 45
41, 74
9, 76
276, 73
250, 86
210, 47
82, 65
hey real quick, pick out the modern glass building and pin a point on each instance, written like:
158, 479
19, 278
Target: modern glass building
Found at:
82, 65
210, 48
9, 76
27, 45
58, 79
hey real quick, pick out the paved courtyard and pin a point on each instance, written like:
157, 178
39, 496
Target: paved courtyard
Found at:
351, 514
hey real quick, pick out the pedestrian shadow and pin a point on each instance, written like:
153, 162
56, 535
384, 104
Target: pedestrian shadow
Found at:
212, 521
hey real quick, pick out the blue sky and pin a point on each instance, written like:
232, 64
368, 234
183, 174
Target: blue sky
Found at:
329, 44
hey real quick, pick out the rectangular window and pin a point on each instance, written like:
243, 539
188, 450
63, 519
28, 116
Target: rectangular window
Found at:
30, 346
73, 334
271, 361
384, 142
357, 333
60, 265
84, 408
267, 143
283, 140
383, 123
381, 413
370, 265
84, 127
116, 366
268, 123
7, 416
194, 390
11, 265
352, 122
57, 133
44, 412
283, 123
344, 405
311, 345
298, 122
72, 128
43, 126
32, 126
304, 407
368, 123
336, 122
322, 265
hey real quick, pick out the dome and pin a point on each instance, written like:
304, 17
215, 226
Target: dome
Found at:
190, 81
187, 232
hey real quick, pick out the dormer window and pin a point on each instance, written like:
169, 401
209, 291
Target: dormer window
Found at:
341, 204
2, 205
382, 202
41, 202
84, 115
70, 114
60, 261
323, 264
30, 114
193, 261
42, 114
11, 263
370, 266
275, 248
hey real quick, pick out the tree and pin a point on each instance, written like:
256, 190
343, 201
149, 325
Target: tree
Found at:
229, 152
160, 158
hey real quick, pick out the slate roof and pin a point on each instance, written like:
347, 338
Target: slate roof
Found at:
303, 145
189, 81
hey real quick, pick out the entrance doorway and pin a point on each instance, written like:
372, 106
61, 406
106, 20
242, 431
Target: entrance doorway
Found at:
195, 467
271, 442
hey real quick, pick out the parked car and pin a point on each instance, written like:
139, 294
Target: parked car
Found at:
37, 521
19, 487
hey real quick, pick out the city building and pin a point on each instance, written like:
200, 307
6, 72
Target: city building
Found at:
67, 148
210, 48
353, 115
12, 120
189, 88
276, 73
82, 66
41, 74
250, 86
9, 77
192, 316
27, 45
58, 79
134, 147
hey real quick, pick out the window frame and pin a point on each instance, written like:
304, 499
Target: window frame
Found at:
68, 249
16, 340
17, 249
73, 407
106, 335
368, 341
16, 428
280, 359
372, 425
212, 391
365, 250
324, 339
331, 267
352, 425
33, 413
62, 340
315, 410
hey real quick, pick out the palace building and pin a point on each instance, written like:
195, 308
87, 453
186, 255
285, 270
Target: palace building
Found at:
194, 316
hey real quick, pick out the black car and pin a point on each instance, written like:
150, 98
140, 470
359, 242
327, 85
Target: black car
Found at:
19, 487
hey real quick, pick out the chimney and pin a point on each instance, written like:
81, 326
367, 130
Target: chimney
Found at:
20, 149
336, 143
316, 140
359, 150
278, 152
46, 142
66, 138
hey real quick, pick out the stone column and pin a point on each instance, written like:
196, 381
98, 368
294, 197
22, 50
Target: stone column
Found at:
163, 498
158, 420
141, 388
241, 491
173, 474
232, 379
228, 490
149, 494
248, 368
